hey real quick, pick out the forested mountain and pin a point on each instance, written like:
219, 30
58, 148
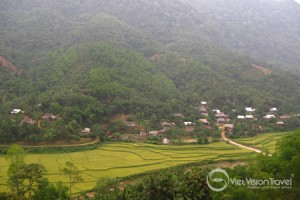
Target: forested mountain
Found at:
265, 29
87, 61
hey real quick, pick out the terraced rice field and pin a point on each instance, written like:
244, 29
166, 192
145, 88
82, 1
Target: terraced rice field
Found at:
123, 159
263, 141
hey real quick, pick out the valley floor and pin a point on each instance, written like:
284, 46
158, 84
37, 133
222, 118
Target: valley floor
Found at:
125, 159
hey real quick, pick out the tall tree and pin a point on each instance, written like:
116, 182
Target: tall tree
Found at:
72, 172
16, 155
35, 174
49, 191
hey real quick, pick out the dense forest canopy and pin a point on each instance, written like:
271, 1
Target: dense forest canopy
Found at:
265, 29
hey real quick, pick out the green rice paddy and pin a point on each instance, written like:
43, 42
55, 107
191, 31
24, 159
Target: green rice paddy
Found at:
266, 141
124, 159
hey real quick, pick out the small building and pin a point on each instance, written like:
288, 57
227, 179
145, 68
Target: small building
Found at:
166, 124
130, 124
86, 130
229, 127
221, 115
49, 116
143, 134
166, 141
187, 123
28, 120
241, 117
177, 115
153, 133
16, 111
216, 111
269, 116
273, 110
204, 121
280, 123
249, 117
203, 102
189, 129
164, 129
202, 109
284, 117
249, 109
221, 120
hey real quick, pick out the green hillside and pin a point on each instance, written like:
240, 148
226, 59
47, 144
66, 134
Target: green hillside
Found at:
89, 61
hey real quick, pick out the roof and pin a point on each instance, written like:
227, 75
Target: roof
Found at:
177, 115
249, 117
16, 111
249, 109
49, 116
269, 116
28, 120
202, 108
241, 117
284, 116
203, 102
221, 120
273, 109
142, 133
86, 130
280, 123
130, 124
205, 121
221, 115
228, 125
189, 128
166, 141
153, 133
187, 123
216, 111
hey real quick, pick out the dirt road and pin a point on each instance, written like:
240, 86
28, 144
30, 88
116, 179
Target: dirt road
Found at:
240, 145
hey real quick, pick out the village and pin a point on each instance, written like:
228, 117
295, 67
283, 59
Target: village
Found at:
179, 130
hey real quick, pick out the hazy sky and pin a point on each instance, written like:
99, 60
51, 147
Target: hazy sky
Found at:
297, 1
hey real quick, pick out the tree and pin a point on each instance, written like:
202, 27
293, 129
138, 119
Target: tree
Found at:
23, 178
48, 191
35, 174
72, 172
107, 188
16, 175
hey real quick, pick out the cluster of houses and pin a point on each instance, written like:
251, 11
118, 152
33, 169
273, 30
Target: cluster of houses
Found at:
272, 114
47, 116
221, 119
28, 120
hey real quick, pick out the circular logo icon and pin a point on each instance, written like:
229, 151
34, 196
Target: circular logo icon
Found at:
223, 178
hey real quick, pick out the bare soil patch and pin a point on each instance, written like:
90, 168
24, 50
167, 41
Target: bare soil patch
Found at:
8, 65
262, 69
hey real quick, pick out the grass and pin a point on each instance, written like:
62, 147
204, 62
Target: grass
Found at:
263, 141
125, 159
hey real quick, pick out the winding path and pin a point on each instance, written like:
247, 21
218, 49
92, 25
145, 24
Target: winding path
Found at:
240, 145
